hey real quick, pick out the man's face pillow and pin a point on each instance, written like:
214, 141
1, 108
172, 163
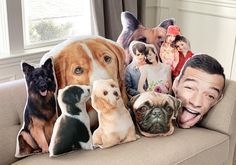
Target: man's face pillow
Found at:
199, 91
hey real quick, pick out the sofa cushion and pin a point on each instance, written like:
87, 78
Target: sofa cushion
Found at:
185, 146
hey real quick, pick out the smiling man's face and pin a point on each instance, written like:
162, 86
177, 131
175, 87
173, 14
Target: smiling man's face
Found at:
199, 91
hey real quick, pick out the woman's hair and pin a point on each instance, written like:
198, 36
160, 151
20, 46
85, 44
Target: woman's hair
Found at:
180, 38
149, 48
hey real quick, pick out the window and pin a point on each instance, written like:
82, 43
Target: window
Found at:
47, 21
26, 24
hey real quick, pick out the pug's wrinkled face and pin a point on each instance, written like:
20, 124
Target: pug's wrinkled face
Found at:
154, 119
154, 113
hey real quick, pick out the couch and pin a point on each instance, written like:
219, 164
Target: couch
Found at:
210, 143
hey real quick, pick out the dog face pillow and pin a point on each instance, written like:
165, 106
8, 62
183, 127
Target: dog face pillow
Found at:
82, 60
134, 30
40, 110
115, 123
154, 112
72, 128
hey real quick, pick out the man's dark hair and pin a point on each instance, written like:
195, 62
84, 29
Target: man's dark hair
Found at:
204, 62
140, 47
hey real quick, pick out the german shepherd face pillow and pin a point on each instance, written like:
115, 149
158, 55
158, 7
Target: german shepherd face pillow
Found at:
133, 30
40, 110
153, 113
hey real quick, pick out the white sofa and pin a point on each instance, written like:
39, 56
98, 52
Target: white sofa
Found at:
212, 143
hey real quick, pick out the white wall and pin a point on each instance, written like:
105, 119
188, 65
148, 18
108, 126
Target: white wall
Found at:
10, 68
210, 25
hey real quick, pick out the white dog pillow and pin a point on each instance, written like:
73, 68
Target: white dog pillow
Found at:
115, 123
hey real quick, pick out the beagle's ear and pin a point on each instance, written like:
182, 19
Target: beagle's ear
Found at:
120, 55
61, 66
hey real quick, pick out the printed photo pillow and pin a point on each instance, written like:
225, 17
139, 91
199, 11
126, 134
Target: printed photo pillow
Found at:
72, 128
154, 113
40, 111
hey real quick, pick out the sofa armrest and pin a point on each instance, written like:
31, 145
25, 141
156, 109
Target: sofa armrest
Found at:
222, 118
13, 98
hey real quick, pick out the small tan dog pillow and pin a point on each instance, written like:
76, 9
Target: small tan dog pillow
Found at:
154, 112
115, 123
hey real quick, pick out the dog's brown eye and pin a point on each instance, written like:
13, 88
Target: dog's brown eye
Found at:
159, 37
79, 70
107, 59
143, 39
105, 93
168, 108
144, 108
112, 85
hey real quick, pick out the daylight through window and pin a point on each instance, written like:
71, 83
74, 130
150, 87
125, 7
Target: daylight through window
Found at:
48, 21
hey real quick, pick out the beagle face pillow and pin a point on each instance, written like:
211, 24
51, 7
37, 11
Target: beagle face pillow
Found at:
82, 60
154, 113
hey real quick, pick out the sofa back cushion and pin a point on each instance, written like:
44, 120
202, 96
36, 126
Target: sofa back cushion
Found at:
222, 117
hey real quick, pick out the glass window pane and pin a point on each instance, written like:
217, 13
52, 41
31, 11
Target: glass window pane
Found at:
47, 21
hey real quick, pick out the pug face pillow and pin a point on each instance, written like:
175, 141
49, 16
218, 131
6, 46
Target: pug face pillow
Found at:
153, 113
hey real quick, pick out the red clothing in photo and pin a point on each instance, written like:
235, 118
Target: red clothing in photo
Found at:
182, 60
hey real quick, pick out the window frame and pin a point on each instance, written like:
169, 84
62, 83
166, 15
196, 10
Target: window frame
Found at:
12, 42
4, 40
15, 28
